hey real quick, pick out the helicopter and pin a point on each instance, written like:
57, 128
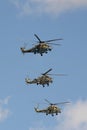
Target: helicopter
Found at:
51, 109
44, 79
41, 47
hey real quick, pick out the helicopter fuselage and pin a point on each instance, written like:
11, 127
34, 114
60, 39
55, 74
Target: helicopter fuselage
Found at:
38, 49
44, 80
52, 109
43, 48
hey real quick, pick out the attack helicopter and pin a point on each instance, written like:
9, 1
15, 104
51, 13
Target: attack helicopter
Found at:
41, 47
51, 109
44, 79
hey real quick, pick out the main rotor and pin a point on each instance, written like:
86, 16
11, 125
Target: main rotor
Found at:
47, 73
59, 103
47, 41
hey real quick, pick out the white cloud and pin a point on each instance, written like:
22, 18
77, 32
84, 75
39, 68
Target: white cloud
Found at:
27, 7
4, 112
73, 117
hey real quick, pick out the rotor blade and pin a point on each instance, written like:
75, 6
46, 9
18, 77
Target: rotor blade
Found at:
47, 71
61, 103
56, 103
58, 74
53, 40
54, 44
37, 38
48, 101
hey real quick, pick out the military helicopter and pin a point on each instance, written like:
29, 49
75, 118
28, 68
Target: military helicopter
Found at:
41, 47
51, 109
43, 80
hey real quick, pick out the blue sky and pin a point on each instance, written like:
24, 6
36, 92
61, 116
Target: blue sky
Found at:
49, 19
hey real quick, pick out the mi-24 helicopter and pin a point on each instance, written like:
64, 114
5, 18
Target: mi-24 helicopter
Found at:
51, 109
41, 47
44, 79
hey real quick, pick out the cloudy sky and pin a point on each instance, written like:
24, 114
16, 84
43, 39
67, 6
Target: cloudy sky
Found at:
49, 19
55, 7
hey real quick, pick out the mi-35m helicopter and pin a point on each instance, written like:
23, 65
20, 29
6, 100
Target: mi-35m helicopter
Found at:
43, 80
51, 109
41, 47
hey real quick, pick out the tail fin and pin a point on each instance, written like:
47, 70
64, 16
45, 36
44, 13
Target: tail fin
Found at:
27, 80
22, 49
35, 109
